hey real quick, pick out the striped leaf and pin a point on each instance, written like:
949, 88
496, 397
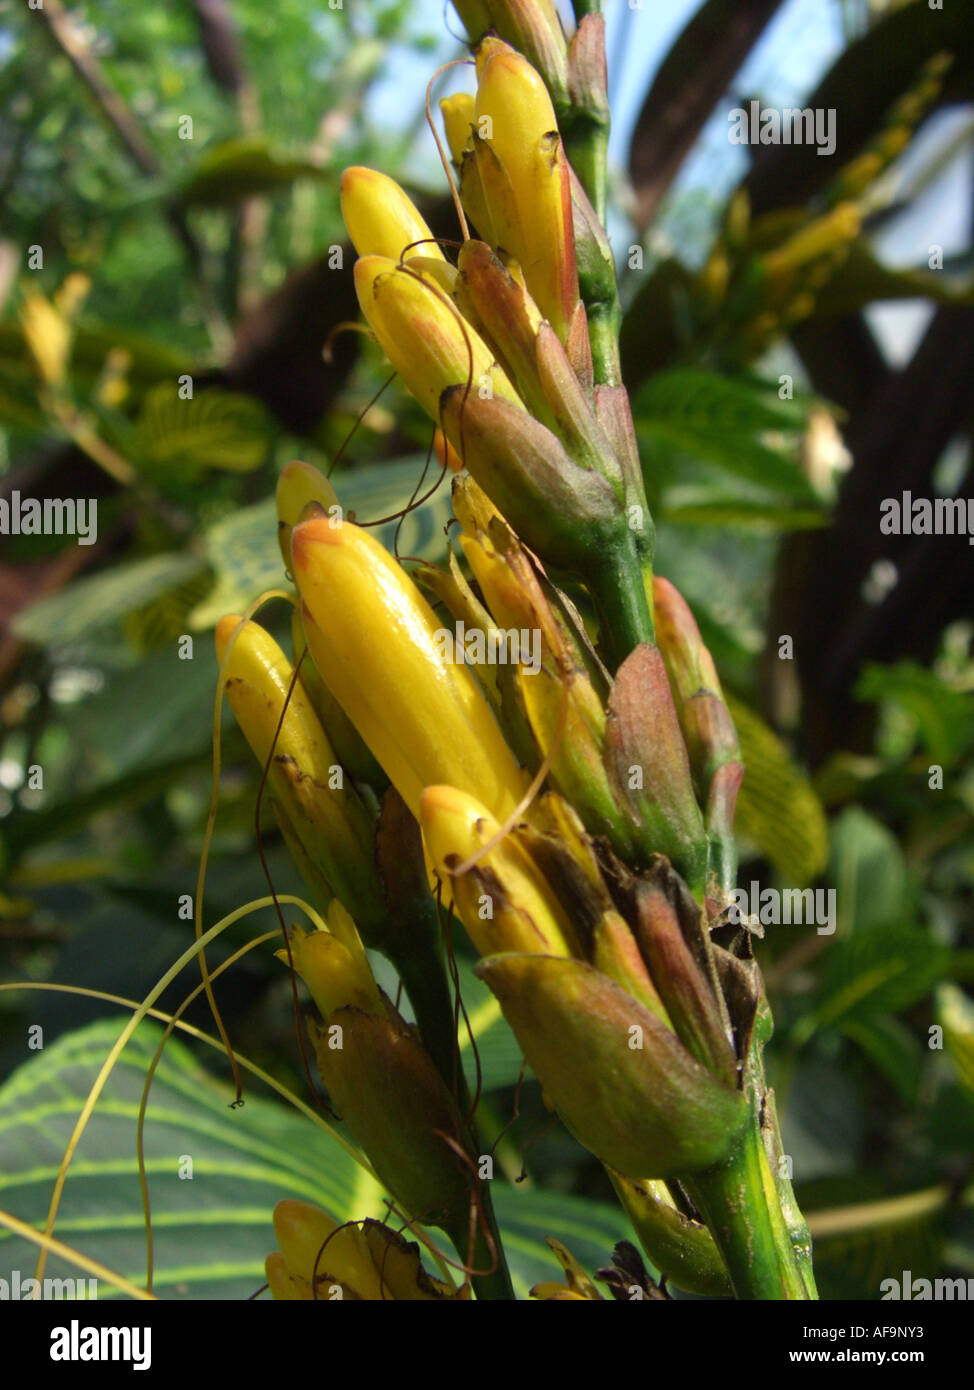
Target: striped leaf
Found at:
777, 809
212, 1230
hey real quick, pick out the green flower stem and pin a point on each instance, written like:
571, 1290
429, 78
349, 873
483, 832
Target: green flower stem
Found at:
583, 7
604, 321
585, 134
739, 1202
496, 1284
801, 1238
424, 978
584, 123
619, 596
762, 1100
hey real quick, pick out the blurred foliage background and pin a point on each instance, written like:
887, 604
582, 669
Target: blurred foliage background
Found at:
177, 169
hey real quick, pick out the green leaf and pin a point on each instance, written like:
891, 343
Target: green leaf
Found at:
724, 421
955, 1014
868, 870
700, 506
526, 1217
777, 809
175, 440
212, 1231
501, 1058
90, 605
862, 1234
236, 169
243, 549
876, 972
943, 716
893, 1048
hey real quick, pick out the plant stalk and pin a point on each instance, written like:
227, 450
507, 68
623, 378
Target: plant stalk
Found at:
739, 1202
619, 596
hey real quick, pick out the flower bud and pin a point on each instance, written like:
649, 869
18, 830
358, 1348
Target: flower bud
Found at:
458, 117
689, 999
336, 973
284, 1286
563, 709
315, 1249
708, 728
424, 336
679, 1247
515, 123
385, 1087
569, 515
507, 318
374, 639
533, 27
381, 218
341, 733
533, 357
321, 808
298, 485
616, 954
619, 1078
457, 112
706, 723
648, 767
503, 900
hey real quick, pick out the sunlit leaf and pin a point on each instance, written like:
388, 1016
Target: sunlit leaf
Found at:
777, 809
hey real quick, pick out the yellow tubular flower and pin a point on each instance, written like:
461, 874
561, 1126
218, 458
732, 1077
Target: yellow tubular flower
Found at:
334, 966
284, 1287
423, 335
298, 484
445, 452
258, 678
374, 638
457, 112
303, 1230
504, 901
381, 218
516, 122
329, 819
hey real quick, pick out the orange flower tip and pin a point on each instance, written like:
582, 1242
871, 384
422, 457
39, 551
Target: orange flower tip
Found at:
445, 452
367, 270
356, 173
224, 630
293, 1217
491, 46
312, 531
441, 799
